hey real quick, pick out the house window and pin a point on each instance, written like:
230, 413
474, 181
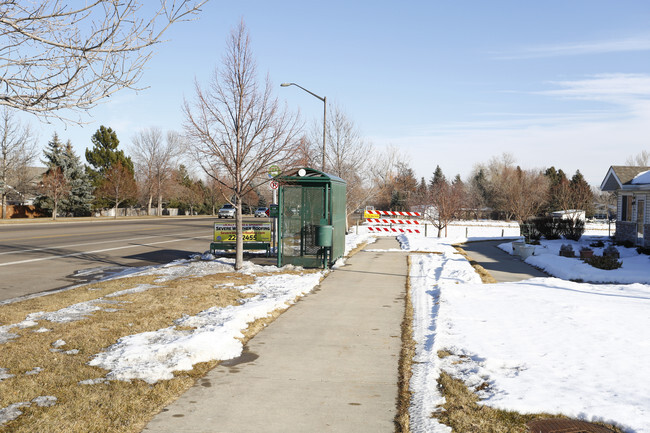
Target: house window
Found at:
626, 208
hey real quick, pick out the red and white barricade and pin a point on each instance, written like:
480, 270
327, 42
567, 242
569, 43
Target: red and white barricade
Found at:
389, 222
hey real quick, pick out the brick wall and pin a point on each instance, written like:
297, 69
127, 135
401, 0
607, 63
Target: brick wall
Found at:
625, 231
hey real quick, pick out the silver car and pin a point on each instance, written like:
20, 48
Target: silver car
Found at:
227, 211
260, 212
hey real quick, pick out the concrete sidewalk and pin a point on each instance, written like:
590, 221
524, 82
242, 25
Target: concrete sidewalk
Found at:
501, 265
329, 363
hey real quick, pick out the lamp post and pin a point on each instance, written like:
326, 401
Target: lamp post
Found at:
324, 99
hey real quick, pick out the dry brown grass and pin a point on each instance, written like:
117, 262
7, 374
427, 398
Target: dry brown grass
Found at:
486, 277
407, 353
114, 406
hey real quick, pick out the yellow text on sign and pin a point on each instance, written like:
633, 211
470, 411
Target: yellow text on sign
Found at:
370, 214
252, 232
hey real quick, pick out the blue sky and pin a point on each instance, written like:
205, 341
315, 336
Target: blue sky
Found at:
563, 83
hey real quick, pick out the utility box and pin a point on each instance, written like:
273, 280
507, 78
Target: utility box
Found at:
311, 218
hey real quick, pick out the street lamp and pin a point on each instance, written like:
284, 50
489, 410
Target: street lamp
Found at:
324, 99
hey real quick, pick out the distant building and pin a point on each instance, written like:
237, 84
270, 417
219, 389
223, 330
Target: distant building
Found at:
632, 187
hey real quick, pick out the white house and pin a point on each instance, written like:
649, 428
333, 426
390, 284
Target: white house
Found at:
632, 187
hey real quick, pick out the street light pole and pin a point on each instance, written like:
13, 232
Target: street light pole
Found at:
324, 99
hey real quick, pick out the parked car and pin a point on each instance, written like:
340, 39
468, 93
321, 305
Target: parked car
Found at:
261, 212
227, 211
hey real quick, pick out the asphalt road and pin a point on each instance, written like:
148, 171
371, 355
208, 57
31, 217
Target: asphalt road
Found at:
37, 257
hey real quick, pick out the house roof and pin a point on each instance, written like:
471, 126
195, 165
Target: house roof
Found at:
621, 176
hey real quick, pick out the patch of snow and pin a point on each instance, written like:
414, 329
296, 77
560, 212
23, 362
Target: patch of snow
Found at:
33, 371
12, 412
45, 401
40, 330
137, 289
4, 374
58, 343
97, 381
641, 178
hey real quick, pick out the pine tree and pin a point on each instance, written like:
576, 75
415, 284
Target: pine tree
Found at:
79, 202
78, 198
104, 155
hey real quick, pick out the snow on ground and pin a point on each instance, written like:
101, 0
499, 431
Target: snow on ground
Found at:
635, 269
542, 344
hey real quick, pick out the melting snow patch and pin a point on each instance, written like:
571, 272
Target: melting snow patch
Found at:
58, 343
93, 381
137, 289
4, 374
12, 412
35, 370
45, 401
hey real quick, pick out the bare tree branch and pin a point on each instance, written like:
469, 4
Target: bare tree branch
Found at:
55, 57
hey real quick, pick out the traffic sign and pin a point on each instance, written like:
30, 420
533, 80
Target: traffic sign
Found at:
273, 184
274, 170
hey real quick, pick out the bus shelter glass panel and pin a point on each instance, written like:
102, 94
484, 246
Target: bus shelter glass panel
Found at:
303, 210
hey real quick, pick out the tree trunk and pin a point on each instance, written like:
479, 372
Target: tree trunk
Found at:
239, 251
149, 205
159, 204
4, 206
56, 205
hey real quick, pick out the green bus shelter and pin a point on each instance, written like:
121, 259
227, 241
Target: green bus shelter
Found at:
311, 218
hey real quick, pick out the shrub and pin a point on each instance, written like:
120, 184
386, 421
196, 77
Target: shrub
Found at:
626, 244
611, 251
566, 250
604, 262
549, 227
530, 232
597, 244
573, 229
643, 250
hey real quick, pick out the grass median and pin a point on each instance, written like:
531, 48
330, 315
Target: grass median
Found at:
51, 359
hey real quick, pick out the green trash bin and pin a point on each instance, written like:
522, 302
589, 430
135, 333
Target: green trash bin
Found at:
325, 234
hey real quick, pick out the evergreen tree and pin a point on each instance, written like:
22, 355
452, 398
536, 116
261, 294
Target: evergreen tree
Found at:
105, 155
582, 194
557, 183
79, 202
438, 177
54, 160
59, 158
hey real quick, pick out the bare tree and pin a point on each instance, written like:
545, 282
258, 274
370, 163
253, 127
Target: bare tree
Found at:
17, 152
154, 159
54, 56
346, 156
641, 159
237, 128
525, 192
118, 185
448, 199
56, 187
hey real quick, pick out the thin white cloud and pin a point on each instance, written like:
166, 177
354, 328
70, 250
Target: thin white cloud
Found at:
638, 43
624, 89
